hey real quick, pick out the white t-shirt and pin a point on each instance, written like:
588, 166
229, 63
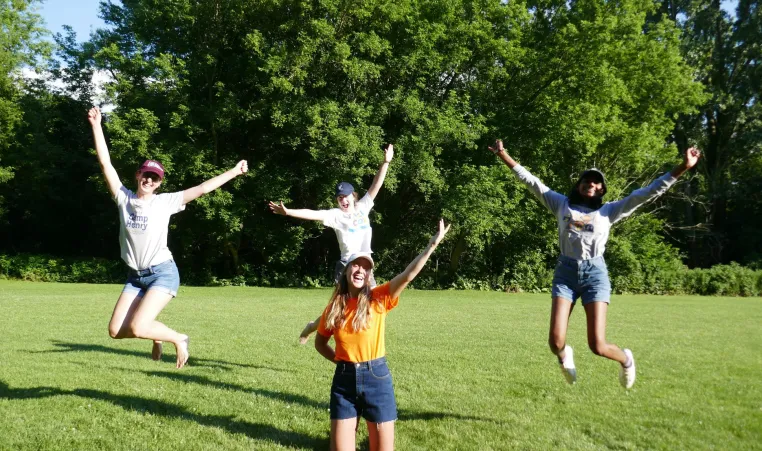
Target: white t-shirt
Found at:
352, 229
143, 235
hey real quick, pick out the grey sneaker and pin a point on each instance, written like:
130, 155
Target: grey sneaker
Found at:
627, 375
567, 367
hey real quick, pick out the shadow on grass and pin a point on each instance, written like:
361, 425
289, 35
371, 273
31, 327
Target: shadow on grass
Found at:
409, 415
402, 414
291, 398
258, 431
62, 346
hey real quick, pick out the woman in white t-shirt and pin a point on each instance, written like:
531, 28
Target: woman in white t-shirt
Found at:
584, 223
350, 221
144, 217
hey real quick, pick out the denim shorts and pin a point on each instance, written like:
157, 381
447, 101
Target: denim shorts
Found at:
363, 389
588, 279
163, 277
341, 266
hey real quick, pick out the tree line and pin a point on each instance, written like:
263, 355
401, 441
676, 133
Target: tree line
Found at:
308, 91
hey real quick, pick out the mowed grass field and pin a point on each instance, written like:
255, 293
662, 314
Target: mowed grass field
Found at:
471, 371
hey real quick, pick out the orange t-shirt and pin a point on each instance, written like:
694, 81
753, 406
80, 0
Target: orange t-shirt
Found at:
364, 345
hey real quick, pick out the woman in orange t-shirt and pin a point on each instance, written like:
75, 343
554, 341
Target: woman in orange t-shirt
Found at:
355, 317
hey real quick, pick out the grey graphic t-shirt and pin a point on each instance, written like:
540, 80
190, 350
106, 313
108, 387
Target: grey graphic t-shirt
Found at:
582, 232
143, 235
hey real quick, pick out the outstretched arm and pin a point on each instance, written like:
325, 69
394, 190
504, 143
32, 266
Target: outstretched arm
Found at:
212, 184
616, 211
690, 159
310, 215
112, 178
499, 150
551, 199
322, 346
378, 180
399, 283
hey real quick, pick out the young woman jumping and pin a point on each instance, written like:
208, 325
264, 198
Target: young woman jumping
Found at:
584, 223
350, 221
144, 217
356, 317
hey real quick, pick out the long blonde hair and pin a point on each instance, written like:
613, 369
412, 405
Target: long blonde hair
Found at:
336, 316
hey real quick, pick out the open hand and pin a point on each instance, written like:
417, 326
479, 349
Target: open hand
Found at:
440, 233
94, 116
692, 156
497, 147
241, 168
279, 209
388, 153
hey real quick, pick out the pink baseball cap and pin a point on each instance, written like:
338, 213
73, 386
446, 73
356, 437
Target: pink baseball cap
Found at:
152, 166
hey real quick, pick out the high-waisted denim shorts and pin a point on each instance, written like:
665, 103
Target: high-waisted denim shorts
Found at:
588, 279
163, 277
363, 390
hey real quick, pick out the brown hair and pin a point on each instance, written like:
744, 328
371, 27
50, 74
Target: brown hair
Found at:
336, 316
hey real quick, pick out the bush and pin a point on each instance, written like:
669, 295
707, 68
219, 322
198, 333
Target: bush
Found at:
42, 268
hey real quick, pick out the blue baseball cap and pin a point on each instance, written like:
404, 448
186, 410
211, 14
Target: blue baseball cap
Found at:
344, 189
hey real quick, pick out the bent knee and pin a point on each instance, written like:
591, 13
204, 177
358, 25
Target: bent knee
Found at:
139, 330
114, 331
599, 347
556, 344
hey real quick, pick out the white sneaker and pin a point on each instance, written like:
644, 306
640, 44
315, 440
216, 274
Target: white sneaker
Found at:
627, 375
567, 367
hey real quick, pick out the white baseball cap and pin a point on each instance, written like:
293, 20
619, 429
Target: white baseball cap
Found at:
365, 255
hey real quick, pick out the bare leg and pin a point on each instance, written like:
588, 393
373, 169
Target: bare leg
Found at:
156, 350
308, 330
118, 326
343, 434
143, 324
559, 323
596, 333
381, 436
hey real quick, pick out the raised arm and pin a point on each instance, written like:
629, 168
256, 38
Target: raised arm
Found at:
551, 199
310, 215
616, 211
499, 150
399, 283
378, 180
112, 178
213, 183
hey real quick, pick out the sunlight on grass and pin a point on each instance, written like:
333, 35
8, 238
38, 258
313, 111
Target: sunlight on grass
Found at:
471, 371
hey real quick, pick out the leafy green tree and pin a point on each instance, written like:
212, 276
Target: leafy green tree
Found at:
724, 51
309, 91
20, 45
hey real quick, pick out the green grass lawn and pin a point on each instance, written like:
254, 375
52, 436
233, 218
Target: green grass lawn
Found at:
471, 371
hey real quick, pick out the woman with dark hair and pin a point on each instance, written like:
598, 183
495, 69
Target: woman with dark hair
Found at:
355, 317
584, 223
144, 215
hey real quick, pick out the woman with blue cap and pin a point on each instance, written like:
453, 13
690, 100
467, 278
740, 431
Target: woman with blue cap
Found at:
350, 221
584, 223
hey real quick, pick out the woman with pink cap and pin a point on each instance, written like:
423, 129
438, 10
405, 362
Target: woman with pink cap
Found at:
144, 217
584, 223
350, 221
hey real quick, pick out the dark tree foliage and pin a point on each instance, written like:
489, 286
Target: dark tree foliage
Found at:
308, 91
